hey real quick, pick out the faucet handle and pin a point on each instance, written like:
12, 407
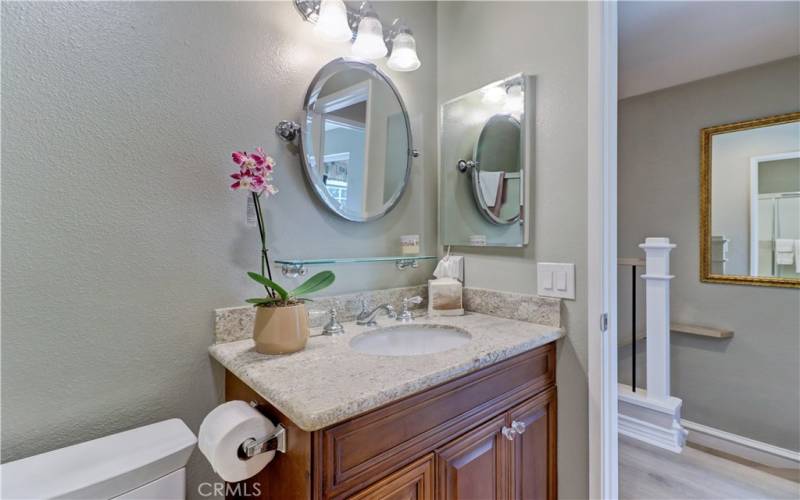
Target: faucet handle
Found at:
405, 315
416, 299
333, 327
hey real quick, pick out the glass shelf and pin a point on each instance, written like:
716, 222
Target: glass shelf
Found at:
299, 267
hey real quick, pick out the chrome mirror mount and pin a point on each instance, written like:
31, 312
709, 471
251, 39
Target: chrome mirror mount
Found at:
287, 130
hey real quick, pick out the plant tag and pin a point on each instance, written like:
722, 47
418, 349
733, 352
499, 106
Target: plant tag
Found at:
251, 220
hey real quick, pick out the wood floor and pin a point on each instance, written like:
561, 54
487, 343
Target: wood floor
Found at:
647, 472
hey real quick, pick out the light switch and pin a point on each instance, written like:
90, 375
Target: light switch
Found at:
547, 279
556, 280
561, 281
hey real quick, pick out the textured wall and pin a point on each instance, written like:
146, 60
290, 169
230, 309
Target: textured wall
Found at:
746, 385
547, 40
119, 234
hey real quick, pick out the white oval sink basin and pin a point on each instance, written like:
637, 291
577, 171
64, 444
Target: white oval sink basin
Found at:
410, 340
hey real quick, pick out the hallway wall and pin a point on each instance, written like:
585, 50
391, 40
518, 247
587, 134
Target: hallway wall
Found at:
747, 385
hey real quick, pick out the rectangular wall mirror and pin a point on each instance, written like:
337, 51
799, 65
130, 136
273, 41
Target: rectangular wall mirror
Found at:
484, 165
750, 202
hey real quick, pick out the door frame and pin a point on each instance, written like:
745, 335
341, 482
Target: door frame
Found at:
754, 198
602, 249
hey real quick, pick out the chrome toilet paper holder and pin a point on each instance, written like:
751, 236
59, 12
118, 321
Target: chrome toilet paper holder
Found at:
274, 442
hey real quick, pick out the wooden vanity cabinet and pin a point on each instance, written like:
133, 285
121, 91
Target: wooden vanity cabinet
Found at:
490, 434
412, 482
533, 465
475, 465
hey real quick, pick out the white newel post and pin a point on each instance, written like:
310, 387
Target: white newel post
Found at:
657, 280
653, 415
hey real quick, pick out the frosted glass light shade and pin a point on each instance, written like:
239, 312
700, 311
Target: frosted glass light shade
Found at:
369, 42
404, 53
332, 22
515, 101
494, 95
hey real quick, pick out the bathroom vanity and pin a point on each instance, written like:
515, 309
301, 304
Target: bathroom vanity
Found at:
476, 421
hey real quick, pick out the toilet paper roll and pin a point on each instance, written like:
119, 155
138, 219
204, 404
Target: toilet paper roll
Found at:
222, 433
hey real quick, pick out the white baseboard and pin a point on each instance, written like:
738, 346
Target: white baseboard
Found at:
651, 420
667, 438
740, 446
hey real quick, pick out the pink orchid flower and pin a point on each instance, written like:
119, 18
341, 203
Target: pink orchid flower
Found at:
239, 157
270, 189
257, 160
254, 172
254, 183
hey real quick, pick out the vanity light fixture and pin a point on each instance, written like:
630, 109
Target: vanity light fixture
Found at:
332, 21
494, 95
515, 101
404, 49
369, 42
337, 22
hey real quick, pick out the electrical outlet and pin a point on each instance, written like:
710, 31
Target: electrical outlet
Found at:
556, 280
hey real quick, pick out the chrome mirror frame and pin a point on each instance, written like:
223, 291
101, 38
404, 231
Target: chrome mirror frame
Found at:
312, 94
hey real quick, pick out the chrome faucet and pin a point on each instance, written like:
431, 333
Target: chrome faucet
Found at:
405, 315
368, 317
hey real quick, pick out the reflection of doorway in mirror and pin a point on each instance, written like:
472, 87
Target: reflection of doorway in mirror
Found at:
334, 175
775, 215
343, 113
343, 146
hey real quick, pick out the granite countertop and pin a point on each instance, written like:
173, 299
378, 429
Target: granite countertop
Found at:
329, 382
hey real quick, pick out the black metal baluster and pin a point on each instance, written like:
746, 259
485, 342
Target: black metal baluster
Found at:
633, 329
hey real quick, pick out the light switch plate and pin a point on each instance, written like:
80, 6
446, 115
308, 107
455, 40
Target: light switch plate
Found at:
556, 280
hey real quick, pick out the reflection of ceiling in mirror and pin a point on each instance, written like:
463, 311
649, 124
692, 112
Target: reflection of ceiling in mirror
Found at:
354, 113
342, 80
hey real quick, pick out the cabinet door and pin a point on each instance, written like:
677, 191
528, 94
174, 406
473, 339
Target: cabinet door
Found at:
412, 482
475, 465
533, 473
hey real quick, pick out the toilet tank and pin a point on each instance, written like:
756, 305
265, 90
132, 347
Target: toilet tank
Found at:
146, 462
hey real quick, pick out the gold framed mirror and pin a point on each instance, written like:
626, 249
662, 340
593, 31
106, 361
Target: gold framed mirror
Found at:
750, 202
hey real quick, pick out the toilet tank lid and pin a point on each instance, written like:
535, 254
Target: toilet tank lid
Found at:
101, 468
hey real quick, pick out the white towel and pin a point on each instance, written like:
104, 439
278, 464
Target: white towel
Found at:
490, 184
784, 251
784, 245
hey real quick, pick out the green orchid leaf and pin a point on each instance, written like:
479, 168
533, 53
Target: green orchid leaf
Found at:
261, 301
269, 284
315, 283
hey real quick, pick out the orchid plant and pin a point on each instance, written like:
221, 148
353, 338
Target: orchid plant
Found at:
255, 176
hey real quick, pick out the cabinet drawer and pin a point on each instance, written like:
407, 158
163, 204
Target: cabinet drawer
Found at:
356, 452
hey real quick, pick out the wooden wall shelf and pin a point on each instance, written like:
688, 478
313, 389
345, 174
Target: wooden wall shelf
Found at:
702, 331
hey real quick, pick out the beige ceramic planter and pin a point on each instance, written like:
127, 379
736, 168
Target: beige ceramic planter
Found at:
281, 330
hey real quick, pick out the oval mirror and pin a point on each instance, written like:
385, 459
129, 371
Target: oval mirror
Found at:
497, 161
356, 140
